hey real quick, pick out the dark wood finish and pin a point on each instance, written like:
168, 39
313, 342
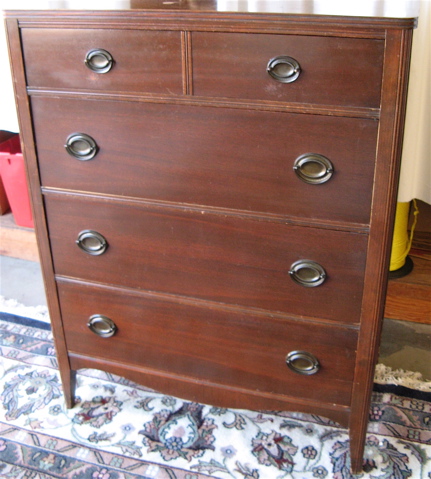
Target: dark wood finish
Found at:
178, 154
206, 247
394, 91
234, 65
208, 256
144, 61
28, 148
235, 349
210, 393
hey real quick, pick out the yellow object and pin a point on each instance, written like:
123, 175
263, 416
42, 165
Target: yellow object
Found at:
401, 242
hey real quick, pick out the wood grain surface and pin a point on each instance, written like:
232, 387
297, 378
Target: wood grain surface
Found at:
144, 61
225, 347
195, 195
224, 67
209, 256
225, 158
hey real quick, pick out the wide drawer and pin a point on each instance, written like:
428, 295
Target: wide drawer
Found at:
221, 347
219, 258
333, 70
226, 158
143, 61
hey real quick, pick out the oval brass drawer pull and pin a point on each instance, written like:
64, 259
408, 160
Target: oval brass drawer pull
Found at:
99, 60
307, 273
81, 146
92, 242
302, 362
313, 168
102, 325
283, 69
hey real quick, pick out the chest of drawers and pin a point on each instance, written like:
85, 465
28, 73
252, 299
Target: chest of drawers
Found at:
213, 195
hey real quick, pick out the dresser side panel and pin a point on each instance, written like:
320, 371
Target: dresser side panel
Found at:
394, 97
29, 153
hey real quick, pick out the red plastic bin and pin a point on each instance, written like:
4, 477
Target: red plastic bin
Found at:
12, 173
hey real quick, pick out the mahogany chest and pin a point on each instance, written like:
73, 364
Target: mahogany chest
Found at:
213, 194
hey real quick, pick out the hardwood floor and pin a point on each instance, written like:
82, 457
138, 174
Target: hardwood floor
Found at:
16, 241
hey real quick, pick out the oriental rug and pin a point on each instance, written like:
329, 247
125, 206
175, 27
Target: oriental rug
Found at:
120, 430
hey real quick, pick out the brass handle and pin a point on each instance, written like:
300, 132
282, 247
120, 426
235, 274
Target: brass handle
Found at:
302, 362
102, 325
283, 69
307, 273
99, 60
81, 146
92, 242
313, 169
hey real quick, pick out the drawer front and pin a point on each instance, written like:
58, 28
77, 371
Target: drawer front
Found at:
219, 258
216, 157
221, 347
334, 71
143, 61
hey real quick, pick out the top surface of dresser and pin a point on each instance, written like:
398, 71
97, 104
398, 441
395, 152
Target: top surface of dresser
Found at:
371, 9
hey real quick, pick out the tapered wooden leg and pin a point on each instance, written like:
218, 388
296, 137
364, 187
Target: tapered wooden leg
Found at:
357, 443
69, 384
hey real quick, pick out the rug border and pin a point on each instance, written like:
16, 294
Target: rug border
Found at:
23, 321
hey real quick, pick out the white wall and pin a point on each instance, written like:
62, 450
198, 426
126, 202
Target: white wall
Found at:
8, 118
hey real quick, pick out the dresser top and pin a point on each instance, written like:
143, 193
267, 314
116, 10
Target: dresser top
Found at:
383, 9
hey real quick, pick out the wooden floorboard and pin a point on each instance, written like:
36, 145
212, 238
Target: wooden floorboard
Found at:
408, 302
16, 241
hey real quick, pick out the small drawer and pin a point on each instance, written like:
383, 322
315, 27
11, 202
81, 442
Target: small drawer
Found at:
214, 257
328, 70
266, 162
103, 60
221, 347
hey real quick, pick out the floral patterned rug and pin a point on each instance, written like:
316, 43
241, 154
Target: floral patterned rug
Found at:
119, 430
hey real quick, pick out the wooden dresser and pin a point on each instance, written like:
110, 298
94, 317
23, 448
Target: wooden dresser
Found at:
213, 194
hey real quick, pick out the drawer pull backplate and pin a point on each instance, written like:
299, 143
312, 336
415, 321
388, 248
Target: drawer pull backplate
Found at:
302, 362
313, 168
99, 61
284, 69
92, 242
81, 146
102, 325
307, 273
